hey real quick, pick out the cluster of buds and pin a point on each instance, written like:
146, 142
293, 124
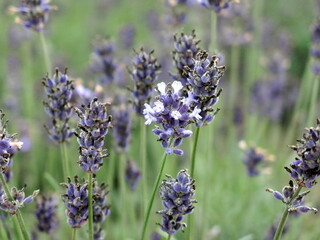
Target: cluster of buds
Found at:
46, 213
254, 157
292, 198
34, 13
186, 49
144, 73
176, 195
132, 175
77, 202
305, 168
17, 200
216, 5
8, 147
122, 127
93, 124
173, 113
102, 61
59, 92
100, 208
203, 85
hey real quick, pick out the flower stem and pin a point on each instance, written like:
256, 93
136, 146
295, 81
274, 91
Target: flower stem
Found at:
194, 151
284, 217
90, 208
123, 193
3, 234
74, 234
169, 236
64, 158
45, 52
18, 214
213, 45
156, 185
313, 104
143, 154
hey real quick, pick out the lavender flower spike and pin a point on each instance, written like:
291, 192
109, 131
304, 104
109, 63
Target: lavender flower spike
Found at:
19, 199
176, 195
133, 174
216, 5
144, 73
59, 91
122, 127
93, 125
186, 49
8, 146
172, 112
315, 47
34, 13
203, 82
77, 203
46, 213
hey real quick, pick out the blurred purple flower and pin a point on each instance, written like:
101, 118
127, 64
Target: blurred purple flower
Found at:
132, 175
127, 34
122, 124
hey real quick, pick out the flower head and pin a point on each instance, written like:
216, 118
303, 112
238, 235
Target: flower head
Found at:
59, 91
46, 213
186, 49
100, 207
216, 5
93, 126
144, 73
176, 195
133, 174
77, 202
34, 14
18, 199
173, 115
122, 127
203, 82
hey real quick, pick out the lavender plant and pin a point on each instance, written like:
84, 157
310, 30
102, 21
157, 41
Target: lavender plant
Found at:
303, 170
173, 113
132, 174
93, 124
216, 5
186, 49
47, 214
315, 47
176, 195
34, 14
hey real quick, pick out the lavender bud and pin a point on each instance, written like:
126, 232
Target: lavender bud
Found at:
122, 127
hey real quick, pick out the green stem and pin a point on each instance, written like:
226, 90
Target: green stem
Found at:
143, 149
3, 234
169, 236
74, 234
156, 185
17, 229
46, 54
123, 196
313, 103
90, 208
64, 158
18, 213
194, 151
213, 38
284, 217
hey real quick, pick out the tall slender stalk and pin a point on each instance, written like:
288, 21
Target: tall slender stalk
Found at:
123, 193
3, 233
169, 236
46, 54
143, 153
284, 217
90, 230
64, 158
156, 185
213, 44
313, 103
74, 234
18, 213
194, 151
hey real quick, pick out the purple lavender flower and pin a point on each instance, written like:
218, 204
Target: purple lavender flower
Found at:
77, 202
127, 34
8, 146
172, 112
144, 73
46, 213
216, 5
93, 124
59, 91
18, 199
122, 127
176, 195
186, 49
203, 81
102, 61
34, 13
101, 209
315, 48
306, 167
132, 175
